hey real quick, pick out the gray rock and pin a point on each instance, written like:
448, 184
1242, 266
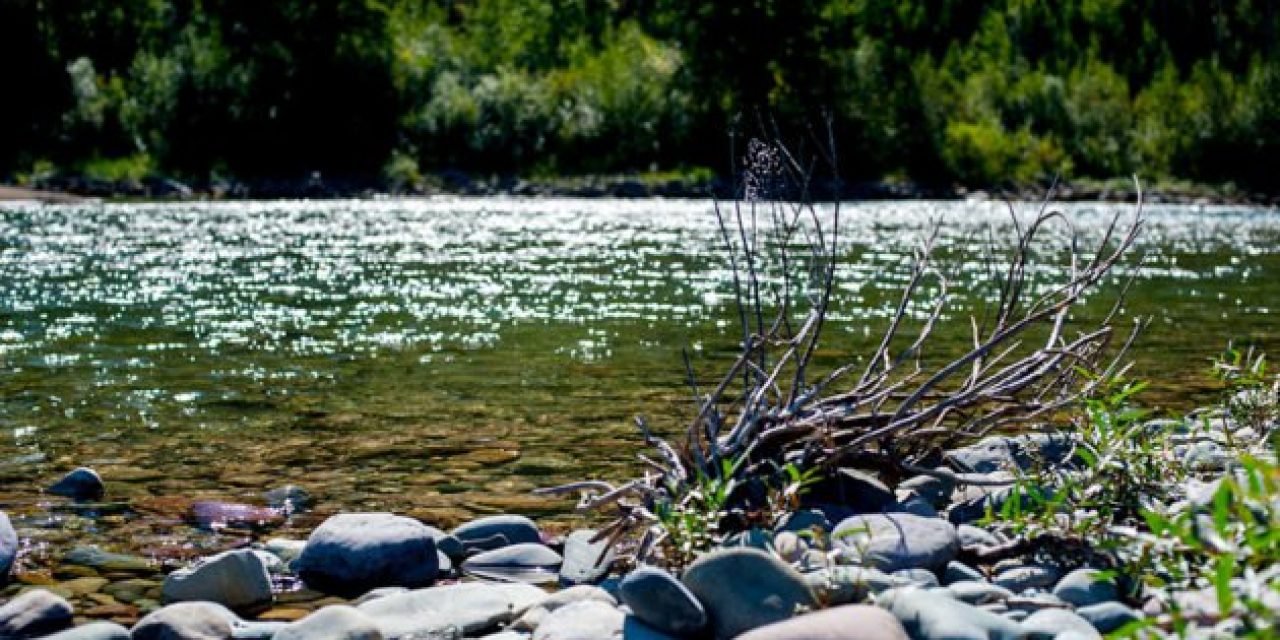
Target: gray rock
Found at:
916, 505
578, 594
1017, 615
380, 592
896, 541
844, 585
934, 616
8, 546
471, 608
804, 520
961, 572
524, 562
80, 484
186, 621
236, 579
917, 577
1036, 602
971, 536
974, 592
34, 613
582, 620
975, 501
1108, 616
789, 546
506, 635
997, 453
849, 622
851, 490
255, 630
352, 552
491, 532
662, 602
92, 631
936, 490
447, 544
735, 605
1083, 587
334, 622
755, 538
1048, 624
585, 562
1019, 579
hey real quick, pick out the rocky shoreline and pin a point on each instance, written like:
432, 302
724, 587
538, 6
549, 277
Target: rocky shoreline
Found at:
929, 559
72, 188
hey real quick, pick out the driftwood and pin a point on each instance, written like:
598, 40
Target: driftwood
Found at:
890, 412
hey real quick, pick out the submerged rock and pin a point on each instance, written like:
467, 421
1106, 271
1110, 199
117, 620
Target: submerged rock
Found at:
81, 484
896, 541
220, 515
107, 561
353, 552
33, 614
234, 578
657, 599
735, 604
289, 498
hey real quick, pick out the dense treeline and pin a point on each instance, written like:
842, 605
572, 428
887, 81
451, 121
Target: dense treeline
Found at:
936, 90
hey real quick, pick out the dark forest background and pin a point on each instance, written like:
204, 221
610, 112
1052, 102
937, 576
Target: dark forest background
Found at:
938, 91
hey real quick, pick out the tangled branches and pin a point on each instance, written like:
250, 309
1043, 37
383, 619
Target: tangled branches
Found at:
891, 412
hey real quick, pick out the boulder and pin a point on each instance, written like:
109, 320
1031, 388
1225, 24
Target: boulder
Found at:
471, 608
736, 605
524, 562
100, 630
848, 622
1084, 587
491, 532
896, 541
79, 484
582, 620
660, 601
8, 546
236, 579
934, 616
354, 552
33, 614
334, 622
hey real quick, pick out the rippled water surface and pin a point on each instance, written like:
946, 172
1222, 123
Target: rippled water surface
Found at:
443, 357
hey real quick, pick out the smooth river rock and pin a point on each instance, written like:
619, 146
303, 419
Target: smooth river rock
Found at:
1047, 624
100, 630
928, 615
470, 607
895, 541
236, 579
81, 484
582, 620
1084, 587
491, 532
186, 621
735, 604
8, 546
657, 599
33, 614
334, 622
1108, 616
353, 552
848, 622
525, 562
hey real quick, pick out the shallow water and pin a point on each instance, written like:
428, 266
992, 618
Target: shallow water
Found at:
443, 357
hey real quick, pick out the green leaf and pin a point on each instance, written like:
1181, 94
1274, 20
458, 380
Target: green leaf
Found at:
1224, 569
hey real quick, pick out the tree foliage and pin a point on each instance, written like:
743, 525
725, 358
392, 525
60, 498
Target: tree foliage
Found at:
943, 90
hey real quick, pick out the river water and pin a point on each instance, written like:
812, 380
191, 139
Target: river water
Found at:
442, 357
